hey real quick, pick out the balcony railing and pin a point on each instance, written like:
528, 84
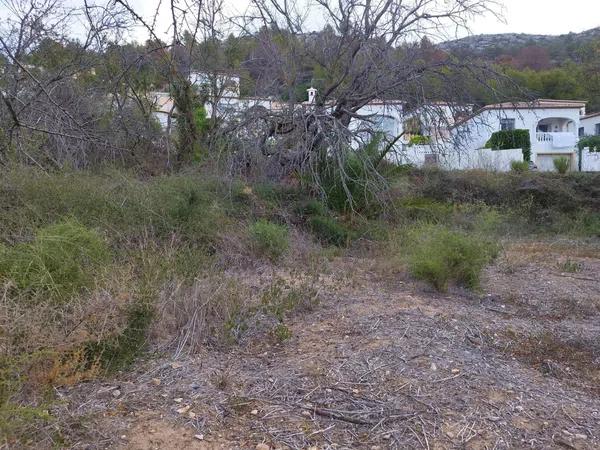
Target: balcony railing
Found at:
543, 137
557, 140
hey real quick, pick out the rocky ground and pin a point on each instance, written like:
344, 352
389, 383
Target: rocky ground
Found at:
382, 362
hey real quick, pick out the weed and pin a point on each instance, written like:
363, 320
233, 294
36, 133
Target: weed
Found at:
439, 255
120, 350
282, 332
329, 231
519, 166
269, 239
61, 260
570, 266
280, 298
562, 164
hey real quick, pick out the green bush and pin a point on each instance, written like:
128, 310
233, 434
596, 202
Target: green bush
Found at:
269, 239
61, 260
591, 142
519, 166
329, 231
351, 183
562, 164
508, 139
439, 255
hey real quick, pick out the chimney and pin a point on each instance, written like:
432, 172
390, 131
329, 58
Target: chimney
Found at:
312, 94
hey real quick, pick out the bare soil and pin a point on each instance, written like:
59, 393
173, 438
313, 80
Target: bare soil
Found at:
383, 362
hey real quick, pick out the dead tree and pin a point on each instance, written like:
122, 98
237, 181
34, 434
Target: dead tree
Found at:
366, 51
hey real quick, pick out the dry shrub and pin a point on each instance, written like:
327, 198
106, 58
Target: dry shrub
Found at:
209, 311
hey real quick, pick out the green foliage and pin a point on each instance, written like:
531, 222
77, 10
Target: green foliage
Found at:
269, 239
329, 231
570, 266
282, 332
591, 142
121, 350
509, 139
439, 255
351, 185
61, 260
519, 166
419, 140
562, 164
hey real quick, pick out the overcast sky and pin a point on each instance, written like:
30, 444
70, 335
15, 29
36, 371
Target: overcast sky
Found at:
542, 17
520, 16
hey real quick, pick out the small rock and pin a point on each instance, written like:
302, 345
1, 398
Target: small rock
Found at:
192, 415
184, 410
455, 370
355, 391
123, 436
387, 437
178, 400
116, 393
176, 365
262, 447
200, 437
195, 386
433, 367
156, 381
580, 436
254, 412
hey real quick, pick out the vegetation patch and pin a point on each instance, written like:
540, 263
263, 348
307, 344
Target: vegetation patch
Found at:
61, 260
269, 239
439, 255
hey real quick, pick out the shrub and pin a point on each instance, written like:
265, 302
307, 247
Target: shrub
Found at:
439, 255
329, 231
508, 139
269, 239
591, 142
519, 166
562, 164
61, 260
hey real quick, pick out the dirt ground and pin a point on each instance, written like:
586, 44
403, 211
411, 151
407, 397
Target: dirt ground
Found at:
382, 362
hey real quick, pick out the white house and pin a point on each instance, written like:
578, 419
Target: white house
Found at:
553, 127
590, 125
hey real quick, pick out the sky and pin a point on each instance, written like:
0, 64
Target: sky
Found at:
542, 17
519, 16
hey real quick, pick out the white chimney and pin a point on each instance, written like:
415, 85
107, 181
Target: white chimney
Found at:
312, 94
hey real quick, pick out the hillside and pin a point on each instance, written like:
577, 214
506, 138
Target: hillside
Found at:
492, 45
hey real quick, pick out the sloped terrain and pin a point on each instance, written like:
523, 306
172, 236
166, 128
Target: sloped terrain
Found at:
382, 362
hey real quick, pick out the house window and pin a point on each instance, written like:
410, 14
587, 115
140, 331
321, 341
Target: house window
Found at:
507, 124
581, 131
598, 129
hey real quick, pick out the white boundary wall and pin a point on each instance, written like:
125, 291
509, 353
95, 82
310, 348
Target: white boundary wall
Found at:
590, 161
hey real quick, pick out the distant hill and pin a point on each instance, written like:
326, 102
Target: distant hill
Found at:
491, 46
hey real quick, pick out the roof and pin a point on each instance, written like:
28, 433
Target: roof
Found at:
541, 103
589, 116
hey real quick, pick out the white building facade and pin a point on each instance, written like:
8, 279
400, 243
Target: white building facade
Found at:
553, 127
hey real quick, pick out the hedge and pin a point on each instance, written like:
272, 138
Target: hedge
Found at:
591, 142
508, 139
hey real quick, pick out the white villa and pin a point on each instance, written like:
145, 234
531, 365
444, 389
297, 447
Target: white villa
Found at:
552, 124
590, 125
457, 136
